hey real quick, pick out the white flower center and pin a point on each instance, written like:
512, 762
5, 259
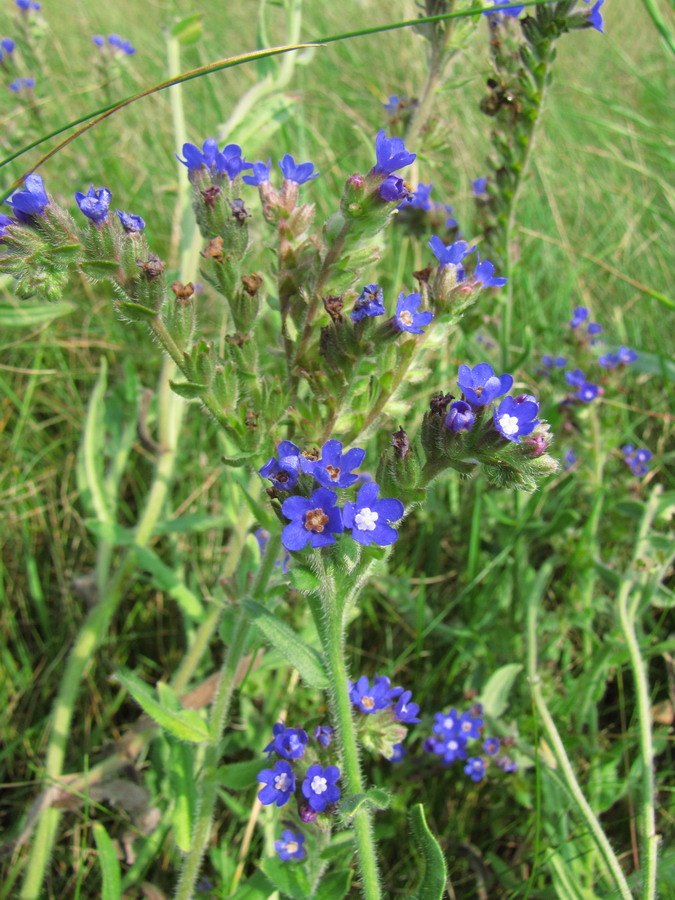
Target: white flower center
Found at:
448, 722
281, 782
368, 702
508, 424
319, 784
365, 519
452, 745
406, 317
466, 726
291, 847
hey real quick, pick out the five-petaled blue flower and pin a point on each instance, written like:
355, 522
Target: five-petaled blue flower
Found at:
451, 747
334, 468
469, 726
195, 158
94, 204
480, 385
290, 846
31, 201
369, 517
320, 788
298, 174
516, 416
324, 735
450, 255
279, 784
394, 189
314, 521
230, 160
626, 356
131, 224
475, 768
287, 742
446, 722
460, 417
587, 392
407, 318
369, 303
575, 377
484, 274
580, 315
261, 173
370, 699
283, 473
405, 711
390, 154
491, 746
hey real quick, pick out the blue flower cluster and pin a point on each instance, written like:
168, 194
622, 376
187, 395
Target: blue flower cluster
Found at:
7, 46
316, 519
407, 317
453, 255
636, 460
21, 85
117, 44
452, 733
27, 5
391, 708
580, 316
228, 161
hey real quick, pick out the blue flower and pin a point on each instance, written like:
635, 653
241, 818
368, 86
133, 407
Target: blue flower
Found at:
450, 222
450, 255
31, 201
516, 416
20, 83
580, 315
643, 455
595, 17
320, 788
419, 199
469, 726
131, 224
637, 460
398, 751
576, 378
626, 356
334, 468
587, 392
261, 173
569, 459
393, 103
27, 4
594, 328
491, 746
559, 362
287, 742
99, 40
290, 846
390, 154
480, 385
507, 764
451, 747
94, 204
369, 517
298, 174
370, 699
407, 318
460, 417
369, 303
283, 473
393, 189
479, 186
405, 711
608, 361
446, 723
475, 768
279, 784
195, 158
314, 521
7, 45
324, 735
513, 11
231, 161
484, 274
4, 222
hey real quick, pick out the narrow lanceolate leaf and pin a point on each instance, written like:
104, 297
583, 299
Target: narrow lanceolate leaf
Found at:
432, 883
110, 867
188, 389
184, 724
29, 315
495, 695
295, 651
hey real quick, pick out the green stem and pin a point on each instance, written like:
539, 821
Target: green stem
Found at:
557, 745
333, 638
207, 789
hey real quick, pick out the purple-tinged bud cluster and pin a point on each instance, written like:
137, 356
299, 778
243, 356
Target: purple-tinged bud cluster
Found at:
94, 204
317, 519
452, 732
387, 711
636, 460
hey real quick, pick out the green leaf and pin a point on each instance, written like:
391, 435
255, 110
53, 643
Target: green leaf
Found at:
257, 887
611, 578
187, 389
289, 880
186, 725
375, 798
633, 509
27, 316
168, 580
240, 775
334, 886
304, 580
294, 650
110, 865
262, 514
495, 693
192, 522
189, 29
184, 794
134, 312
100, 268
432, 882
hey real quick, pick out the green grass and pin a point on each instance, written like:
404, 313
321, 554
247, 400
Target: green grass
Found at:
594, 228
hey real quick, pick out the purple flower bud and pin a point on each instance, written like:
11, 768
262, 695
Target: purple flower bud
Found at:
307, 814
393, 189
131, 224
460, 417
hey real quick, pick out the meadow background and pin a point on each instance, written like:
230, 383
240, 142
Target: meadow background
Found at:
594, 228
